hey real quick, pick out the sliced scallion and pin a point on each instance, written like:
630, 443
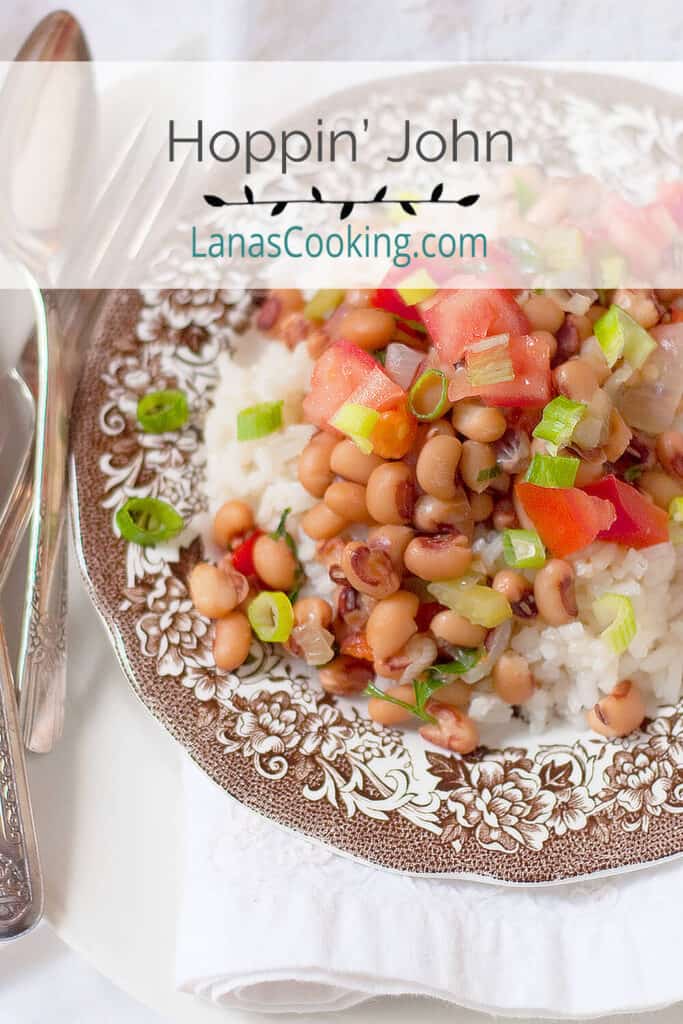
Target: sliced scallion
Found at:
620, 335
323, 303
615, 614
428, 397
259, 420
552, 470
523, 549
560, 419
148, 521
357, 422
271, 616
161, 411
488, 361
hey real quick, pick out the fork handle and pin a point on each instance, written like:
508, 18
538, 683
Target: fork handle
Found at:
21, 884
42, 656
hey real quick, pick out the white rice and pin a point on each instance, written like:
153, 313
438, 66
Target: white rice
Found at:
571, 664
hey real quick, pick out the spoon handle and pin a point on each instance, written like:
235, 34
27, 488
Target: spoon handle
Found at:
21, 883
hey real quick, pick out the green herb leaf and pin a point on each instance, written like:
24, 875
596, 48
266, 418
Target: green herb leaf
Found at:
633, 473
282, 533
431, 681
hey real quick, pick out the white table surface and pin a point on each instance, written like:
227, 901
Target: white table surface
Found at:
40, 977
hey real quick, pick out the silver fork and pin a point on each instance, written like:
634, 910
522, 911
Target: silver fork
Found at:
42, 660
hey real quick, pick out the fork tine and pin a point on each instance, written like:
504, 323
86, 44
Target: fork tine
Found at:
131, 230
102, 216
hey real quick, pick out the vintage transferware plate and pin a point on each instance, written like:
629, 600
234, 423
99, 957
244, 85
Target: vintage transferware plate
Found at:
534, 810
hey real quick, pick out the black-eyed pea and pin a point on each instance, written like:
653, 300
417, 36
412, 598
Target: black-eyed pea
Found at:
619, 437
477, 465
554, 592
313, 610
349, 500
233, 519
543, 313
232, 641
661, 487
390, 493
321, 523
576, 379
670, 451
453, 729
214, 593
392, 623
349, 461
437, 466
482, 507
274, 562
313, 467
393, 539
619, 713
345, 676
440, 556
512, 678
369, 329
478, 422
456, 629
369, 570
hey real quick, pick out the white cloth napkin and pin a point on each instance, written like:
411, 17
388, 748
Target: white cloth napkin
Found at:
270, 921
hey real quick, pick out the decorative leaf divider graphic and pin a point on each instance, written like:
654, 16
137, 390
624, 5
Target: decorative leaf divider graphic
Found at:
346, 205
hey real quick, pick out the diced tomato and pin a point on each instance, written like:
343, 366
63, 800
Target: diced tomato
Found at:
639, 523
243, 555
376, 391
339, 371
567, 519
454, 319
390, 300
531, 387
394, 433
676, 315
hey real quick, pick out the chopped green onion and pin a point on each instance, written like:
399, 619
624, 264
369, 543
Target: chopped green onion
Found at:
259, 420
612, 270
417, 287
483, 606
620, 335
428, 397
271, 616
563, 247
615, 613
552, 471
523, 549
524, 193
676, 521
323, 303
488, 474
633, 473
161, 411
357, 422
488, 361
148, 521
560, 419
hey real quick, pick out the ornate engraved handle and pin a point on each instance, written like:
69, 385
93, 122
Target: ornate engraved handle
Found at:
21, 885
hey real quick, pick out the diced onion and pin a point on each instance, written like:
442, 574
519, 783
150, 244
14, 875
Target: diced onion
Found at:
523, 549
259, 420
323, 303
428, 397
649, 402
315, 643
552, 471
402, 363
576, 302
417, 287
593, 428
560, 419
357, 422
481, 605
488, 361
271, 616
615, 613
